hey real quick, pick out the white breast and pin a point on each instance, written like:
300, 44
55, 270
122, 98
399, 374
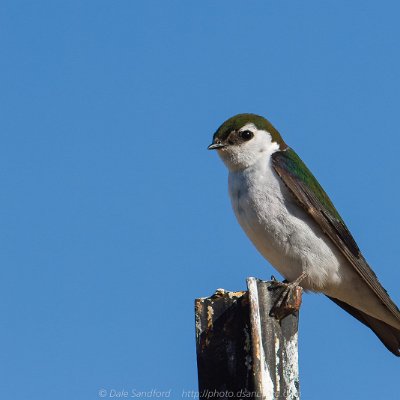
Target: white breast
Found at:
280, 229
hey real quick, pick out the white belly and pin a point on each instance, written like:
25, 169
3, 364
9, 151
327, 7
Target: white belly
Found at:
281, 230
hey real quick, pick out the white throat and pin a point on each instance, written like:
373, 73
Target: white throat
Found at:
244, 155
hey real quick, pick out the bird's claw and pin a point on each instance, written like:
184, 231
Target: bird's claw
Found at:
275, 284
288, 300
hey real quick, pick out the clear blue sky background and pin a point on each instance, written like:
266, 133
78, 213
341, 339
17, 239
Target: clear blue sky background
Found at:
114, 217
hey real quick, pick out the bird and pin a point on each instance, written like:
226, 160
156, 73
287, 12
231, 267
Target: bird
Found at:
292, 222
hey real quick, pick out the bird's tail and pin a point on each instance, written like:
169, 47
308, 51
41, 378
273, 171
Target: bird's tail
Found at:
387, 334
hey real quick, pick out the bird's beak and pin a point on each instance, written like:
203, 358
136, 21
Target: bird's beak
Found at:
215, 146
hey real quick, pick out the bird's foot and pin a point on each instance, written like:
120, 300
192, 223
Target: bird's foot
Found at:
289, 298
276, 280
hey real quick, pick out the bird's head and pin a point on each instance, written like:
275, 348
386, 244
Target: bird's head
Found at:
244, 138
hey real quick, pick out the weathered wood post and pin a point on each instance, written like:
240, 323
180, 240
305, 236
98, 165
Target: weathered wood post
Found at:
242, 352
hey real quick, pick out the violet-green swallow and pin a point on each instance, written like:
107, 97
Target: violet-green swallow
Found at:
294, 225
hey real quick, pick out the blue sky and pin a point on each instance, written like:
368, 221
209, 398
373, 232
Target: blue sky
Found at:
114, 217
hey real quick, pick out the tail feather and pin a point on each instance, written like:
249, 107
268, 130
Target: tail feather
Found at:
387, 334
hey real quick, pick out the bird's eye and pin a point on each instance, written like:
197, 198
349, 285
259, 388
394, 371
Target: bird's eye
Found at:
246, 135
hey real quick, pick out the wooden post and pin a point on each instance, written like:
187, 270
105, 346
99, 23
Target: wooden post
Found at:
242, 352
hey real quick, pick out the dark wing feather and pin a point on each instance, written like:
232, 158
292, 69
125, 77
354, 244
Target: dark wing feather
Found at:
388, 335
306, 189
